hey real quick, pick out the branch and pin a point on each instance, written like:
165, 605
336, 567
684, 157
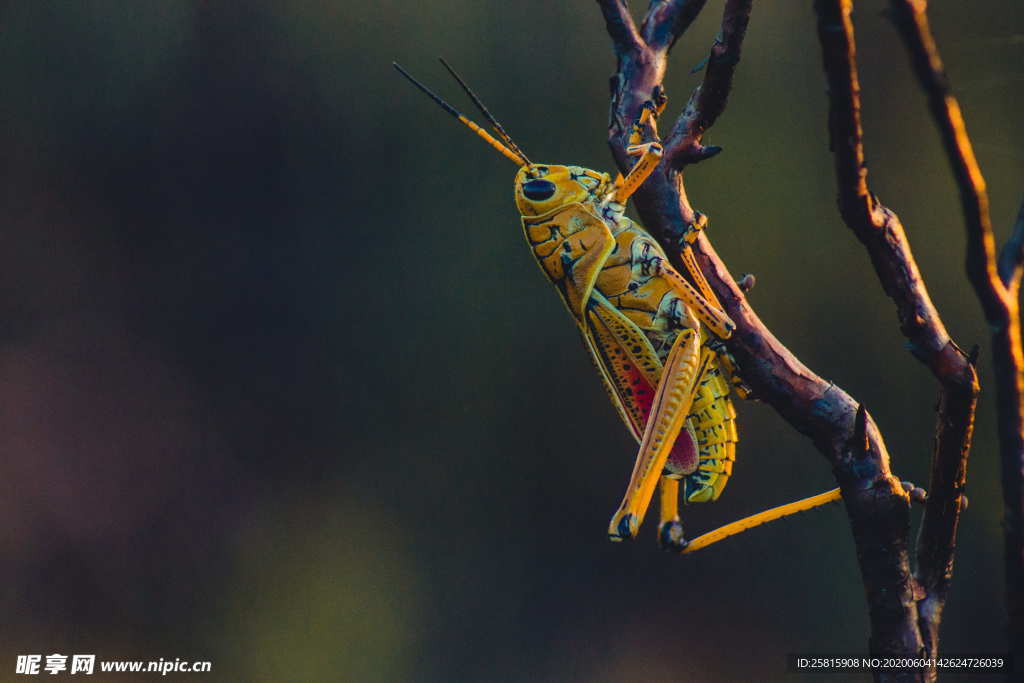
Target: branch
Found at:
667, 20
881, 233
683, 145
621, 28
912, 22
997, 287
876, 503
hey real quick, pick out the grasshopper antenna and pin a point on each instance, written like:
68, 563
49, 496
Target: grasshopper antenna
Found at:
488, 138
760, 518
483, 110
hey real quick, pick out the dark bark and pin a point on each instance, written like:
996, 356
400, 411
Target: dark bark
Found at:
997, 285
876, 503
881, 233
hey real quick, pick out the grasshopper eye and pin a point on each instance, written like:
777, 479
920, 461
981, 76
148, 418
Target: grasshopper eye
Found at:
538, 190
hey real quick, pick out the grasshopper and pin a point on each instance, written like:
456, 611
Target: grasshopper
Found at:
655, 338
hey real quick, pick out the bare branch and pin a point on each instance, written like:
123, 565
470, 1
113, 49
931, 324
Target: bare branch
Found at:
683, 146
1011, 257
881, 233
997, 287
666, 20
835, 32
912, 22
876, 503
936, 542
620, 25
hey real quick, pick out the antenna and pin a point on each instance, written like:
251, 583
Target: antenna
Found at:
483, 110
488, 138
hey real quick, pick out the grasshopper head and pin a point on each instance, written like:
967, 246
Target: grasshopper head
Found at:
543, 187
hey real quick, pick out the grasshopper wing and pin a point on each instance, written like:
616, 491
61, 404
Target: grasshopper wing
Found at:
572, 245
631, 371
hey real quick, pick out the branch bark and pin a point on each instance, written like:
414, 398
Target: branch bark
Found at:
666, 20
620, 25
882, 234
997, 286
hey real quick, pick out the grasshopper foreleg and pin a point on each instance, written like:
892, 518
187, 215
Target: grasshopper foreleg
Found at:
649, 154
727, 365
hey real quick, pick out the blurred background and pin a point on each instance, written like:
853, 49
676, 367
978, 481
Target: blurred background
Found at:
280, 386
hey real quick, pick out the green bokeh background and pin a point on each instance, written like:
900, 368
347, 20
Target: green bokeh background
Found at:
282, 388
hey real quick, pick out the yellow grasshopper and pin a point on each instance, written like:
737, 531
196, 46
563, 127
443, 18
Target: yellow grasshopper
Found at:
654, 337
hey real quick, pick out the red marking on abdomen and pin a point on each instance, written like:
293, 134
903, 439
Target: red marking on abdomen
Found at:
682, 459
638, 395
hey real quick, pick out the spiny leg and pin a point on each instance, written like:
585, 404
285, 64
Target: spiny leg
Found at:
708, 313
726, 361
649, 152
763, 517
671, 406
650, 155
688, 259
915, 493
645, 128
727, 365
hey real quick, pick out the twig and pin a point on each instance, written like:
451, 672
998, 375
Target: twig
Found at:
881, 233
683, 145
912, 21
620, 25
996, 285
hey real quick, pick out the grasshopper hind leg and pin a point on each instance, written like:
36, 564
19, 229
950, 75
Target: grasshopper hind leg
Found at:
683, 369
712, 421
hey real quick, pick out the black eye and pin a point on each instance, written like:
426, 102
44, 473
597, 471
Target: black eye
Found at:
538, 190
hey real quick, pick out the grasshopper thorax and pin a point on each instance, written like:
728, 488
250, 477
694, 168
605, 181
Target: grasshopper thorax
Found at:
541, 188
